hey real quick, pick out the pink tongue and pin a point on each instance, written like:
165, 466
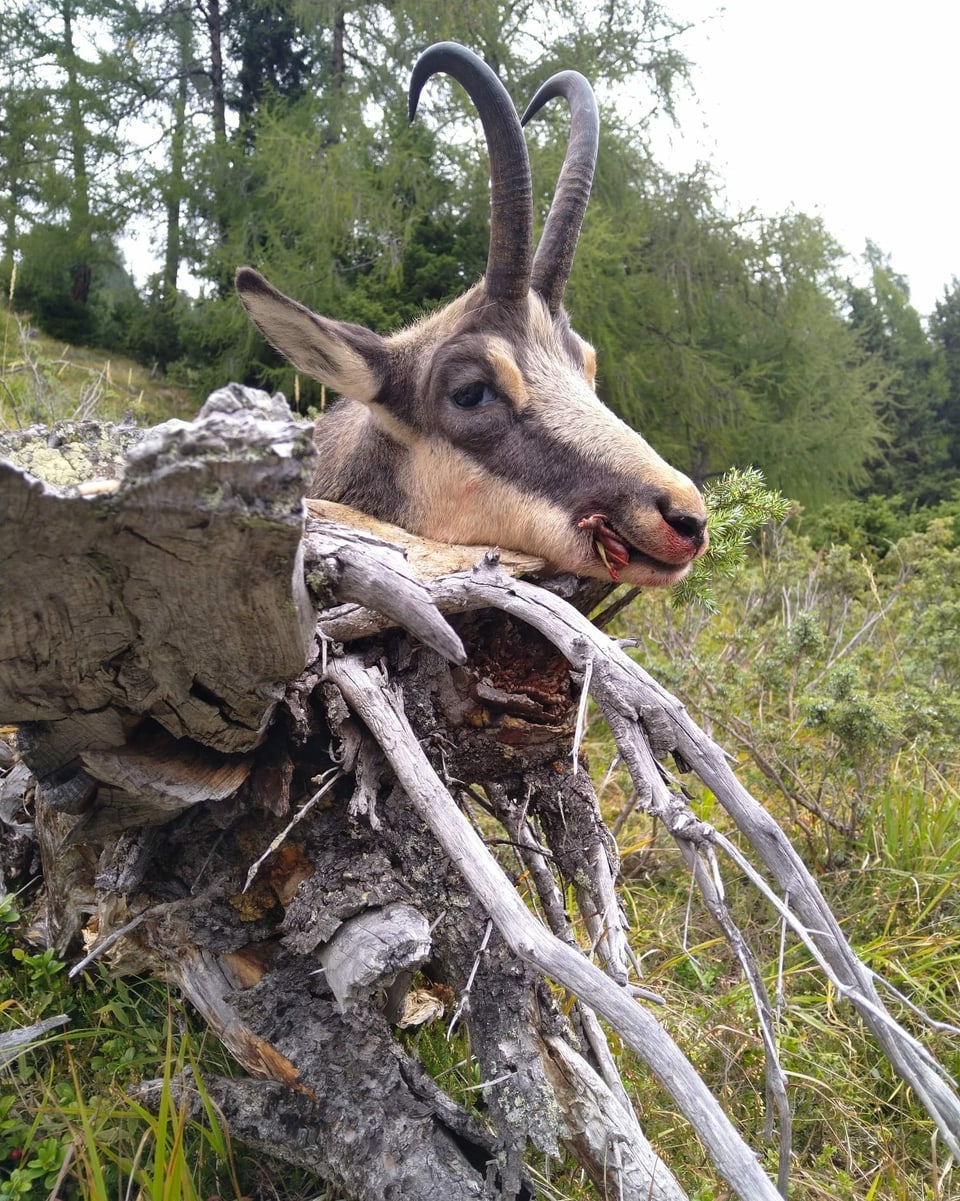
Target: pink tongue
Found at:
617, 550
611, 551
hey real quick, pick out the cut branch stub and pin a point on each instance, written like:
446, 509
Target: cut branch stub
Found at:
370, 950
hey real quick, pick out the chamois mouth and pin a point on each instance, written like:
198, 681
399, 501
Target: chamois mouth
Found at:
616, 552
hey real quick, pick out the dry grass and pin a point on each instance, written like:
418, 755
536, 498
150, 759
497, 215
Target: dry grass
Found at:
43, 381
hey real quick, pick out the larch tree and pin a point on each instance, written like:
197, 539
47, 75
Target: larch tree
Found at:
915, 460
75, 49
27, 154
945, 332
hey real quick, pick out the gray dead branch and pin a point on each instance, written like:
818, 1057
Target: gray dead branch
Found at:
266, 769
14, 1042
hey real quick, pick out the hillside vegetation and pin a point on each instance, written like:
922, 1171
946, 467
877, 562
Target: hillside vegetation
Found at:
829, 665
43, 380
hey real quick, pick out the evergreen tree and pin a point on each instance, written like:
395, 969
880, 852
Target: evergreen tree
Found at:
77, 141
272, 53
915, 462
27, 153
945, 332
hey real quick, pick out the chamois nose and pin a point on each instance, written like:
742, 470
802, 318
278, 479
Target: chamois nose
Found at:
691, 526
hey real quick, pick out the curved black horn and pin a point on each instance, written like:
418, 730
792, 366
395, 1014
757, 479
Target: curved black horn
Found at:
554, 257
511, 197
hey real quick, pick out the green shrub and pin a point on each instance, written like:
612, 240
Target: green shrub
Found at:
833, 676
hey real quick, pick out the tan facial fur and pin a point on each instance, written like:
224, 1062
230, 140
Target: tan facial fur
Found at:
451, 499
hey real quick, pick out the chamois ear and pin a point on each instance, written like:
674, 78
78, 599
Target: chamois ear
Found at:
347, 358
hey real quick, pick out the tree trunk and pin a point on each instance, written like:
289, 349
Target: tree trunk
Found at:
218, 95
338, 55
178, 139
262, 758
81, 269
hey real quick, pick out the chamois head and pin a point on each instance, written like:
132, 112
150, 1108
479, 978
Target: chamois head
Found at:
480, 423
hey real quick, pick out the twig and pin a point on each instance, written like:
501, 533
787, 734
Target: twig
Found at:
455, 1018
943, 1027
329, 778
581, 716
14, 1042
106, 943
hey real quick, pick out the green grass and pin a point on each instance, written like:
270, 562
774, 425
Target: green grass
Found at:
43, 381
69, 1128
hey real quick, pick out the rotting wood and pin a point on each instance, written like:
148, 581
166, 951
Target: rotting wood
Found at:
162, 784
371, 696
370, 951
180, 596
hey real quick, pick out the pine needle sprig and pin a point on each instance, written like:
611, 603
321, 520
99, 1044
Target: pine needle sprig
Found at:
739, 504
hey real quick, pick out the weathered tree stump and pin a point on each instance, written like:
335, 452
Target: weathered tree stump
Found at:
257, 746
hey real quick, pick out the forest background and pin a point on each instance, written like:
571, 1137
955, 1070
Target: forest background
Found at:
274, 132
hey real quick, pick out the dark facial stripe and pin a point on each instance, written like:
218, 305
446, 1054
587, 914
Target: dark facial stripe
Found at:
369, 479
525, 454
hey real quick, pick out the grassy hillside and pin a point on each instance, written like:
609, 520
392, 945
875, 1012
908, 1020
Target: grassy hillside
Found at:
42, 381
833, 677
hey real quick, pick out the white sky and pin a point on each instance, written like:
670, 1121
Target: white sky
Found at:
844, 109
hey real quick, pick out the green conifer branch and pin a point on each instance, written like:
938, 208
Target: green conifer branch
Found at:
739, 504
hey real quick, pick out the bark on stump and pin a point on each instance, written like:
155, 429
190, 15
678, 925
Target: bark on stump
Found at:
258, 749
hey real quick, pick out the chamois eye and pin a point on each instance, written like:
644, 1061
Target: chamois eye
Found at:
473, 396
